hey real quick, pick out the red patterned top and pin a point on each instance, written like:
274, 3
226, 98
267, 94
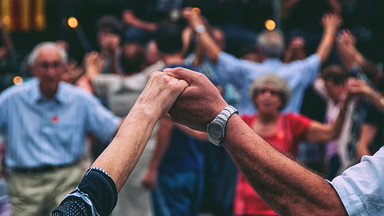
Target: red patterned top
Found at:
291, 130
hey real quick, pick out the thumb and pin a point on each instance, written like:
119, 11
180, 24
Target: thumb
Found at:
187, 75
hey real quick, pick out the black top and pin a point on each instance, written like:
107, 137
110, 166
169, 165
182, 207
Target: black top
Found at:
95, 195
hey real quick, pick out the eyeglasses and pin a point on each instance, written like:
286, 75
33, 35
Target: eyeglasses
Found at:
47, 65
265, 90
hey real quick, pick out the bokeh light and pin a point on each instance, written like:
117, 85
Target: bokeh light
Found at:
72, 22
196, 10
270, 25
18, 80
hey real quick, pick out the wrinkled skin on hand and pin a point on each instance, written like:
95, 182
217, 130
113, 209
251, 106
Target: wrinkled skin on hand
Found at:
199, 104
161, 91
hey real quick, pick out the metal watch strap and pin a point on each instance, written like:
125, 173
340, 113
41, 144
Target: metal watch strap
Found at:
222, 119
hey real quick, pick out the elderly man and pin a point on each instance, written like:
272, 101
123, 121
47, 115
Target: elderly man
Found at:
46, 123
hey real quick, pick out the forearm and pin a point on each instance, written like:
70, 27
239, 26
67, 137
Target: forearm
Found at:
210, 46
349, 55
326, 43
163, 137
193, 133
361, 150
114, 63
121, 156
286, 186
337, 126
376, 99
130, 19
367, 135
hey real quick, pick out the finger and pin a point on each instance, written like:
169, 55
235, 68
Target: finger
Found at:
182, 84
183, 74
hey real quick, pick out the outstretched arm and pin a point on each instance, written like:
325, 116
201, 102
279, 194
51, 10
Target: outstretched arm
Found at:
331, 23
195, 21
346, 47
121, 156
286, 186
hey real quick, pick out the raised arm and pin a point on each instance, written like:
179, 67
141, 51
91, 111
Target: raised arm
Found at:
286, 186
346, 48
130, 19
196, 22
121, 156
331, 23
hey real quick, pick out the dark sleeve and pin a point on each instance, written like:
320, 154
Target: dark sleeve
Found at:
96, 192
374, 116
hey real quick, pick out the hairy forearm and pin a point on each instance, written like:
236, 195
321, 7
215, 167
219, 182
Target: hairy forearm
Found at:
287, 187
121, 156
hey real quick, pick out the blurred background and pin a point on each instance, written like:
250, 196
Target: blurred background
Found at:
74, 22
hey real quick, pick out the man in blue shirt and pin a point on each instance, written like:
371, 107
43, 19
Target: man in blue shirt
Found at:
241, 73
46, 123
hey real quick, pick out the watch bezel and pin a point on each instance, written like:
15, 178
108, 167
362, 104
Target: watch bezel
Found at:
220, 125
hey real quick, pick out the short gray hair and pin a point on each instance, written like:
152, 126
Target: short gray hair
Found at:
32, 56
271, 43
279, 83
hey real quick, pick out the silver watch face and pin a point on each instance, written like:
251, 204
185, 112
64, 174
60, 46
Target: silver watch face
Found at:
216, 132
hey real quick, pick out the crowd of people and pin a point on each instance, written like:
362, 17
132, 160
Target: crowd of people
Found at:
110, 111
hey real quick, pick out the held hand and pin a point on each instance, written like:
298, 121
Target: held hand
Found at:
161, 92
149, 180
194, 18
199, 104
346, 38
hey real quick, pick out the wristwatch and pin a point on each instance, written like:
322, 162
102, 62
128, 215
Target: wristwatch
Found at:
200, 29
216, 128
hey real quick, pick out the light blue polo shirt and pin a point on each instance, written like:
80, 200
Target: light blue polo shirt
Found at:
241, 73
41, 132
361, 187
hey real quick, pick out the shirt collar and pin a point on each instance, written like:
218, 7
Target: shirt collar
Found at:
272, 60
38, 97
